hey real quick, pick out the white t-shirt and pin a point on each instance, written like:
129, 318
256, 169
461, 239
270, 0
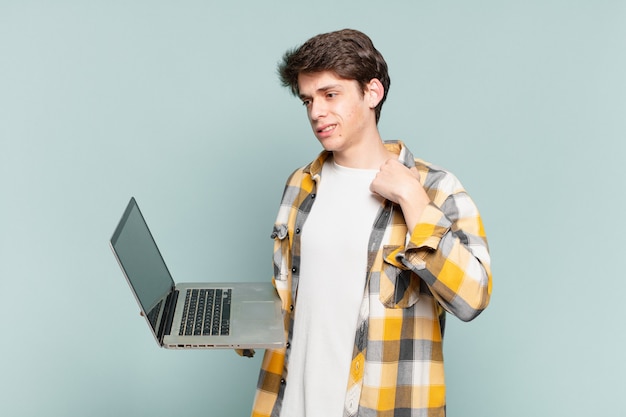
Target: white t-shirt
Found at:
332, 279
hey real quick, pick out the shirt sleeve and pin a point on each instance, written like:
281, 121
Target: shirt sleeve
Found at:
448, 250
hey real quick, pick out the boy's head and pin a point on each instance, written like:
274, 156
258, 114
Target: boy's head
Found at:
348, 53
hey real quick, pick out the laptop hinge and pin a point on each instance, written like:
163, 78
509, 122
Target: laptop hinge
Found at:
168, 314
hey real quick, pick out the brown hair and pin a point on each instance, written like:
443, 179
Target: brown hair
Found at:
348, 53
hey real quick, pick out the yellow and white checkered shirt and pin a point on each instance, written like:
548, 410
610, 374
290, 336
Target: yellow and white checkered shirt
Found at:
413, 279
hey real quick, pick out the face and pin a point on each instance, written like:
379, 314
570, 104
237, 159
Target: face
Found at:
340, 112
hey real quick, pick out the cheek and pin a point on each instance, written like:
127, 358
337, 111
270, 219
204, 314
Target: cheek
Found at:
347, 113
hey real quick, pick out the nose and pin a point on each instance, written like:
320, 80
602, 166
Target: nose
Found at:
317, 109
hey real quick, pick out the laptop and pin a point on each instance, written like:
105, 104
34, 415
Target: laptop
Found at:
193, 315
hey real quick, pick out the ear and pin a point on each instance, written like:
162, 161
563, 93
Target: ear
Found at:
374, 92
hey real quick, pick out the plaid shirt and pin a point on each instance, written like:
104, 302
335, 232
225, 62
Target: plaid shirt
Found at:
412, 280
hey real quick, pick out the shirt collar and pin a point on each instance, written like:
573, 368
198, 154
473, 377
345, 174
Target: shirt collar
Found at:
395, 146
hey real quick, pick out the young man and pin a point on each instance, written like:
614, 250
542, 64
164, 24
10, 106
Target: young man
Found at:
371, 249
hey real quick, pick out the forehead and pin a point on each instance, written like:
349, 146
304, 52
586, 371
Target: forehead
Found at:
314, 82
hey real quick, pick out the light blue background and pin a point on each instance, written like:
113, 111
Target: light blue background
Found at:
178, 104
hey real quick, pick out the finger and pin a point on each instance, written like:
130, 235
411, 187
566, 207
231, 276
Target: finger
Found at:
415, 172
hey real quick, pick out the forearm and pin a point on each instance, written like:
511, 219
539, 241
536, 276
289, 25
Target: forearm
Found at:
451, 256
413, 202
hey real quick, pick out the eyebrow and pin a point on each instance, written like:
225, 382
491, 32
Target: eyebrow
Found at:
324, 89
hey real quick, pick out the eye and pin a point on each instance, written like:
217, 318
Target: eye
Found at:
306, 102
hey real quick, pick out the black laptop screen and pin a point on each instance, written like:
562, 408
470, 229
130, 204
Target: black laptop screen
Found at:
140, 258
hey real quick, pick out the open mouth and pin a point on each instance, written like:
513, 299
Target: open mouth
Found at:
326, 129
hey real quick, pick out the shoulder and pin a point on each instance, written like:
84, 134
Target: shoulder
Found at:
309, 172
437, 176
298, 185
440, 184
298, 174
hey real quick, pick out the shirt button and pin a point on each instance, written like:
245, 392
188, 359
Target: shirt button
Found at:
288, 345
312, 195
294, 269
282, 381
291, 307
298, 231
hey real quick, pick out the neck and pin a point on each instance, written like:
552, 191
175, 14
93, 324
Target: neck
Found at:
369, 155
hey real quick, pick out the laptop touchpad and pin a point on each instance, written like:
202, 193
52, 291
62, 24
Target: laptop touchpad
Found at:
258, 310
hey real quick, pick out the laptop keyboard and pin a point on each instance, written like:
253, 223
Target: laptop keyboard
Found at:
206, 312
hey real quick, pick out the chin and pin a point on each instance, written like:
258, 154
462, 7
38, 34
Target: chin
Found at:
330, 144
